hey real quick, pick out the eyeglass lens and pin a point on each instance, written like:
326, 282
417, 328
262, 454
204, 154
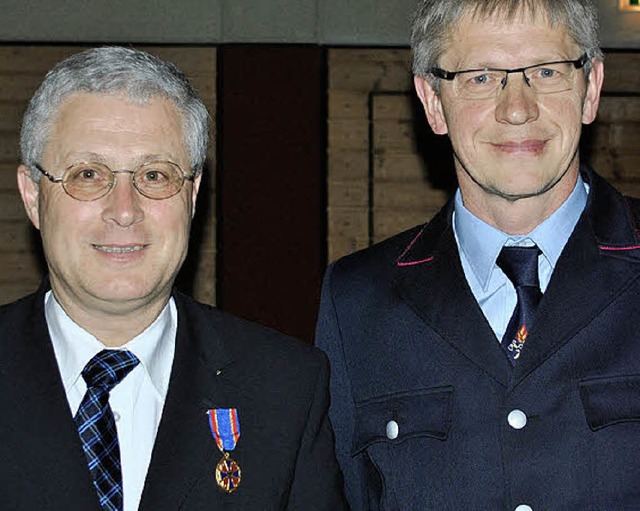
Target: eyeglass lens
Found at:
543, 79
155, 180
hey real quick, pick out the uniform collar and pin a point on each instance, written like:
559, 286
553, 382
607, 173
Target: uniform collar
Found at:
480, 243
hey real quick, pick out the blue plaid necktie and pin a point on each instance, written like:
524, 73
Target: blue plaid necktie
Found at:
520, 265
97, 427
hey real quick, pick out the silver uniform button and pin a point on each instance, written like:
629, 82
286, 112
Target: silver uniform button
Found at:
524, 507
116, 416
392, 430
517, 420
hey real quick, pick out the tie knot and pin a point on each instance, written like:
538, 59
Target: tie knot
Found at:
520, 265
108, 368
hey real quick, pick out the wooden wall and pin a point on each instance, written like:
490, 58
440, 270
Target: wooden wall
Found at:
386, 169
21, 71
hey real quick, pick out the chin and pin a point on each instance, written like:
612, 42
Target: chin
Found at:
515, 191
122, 291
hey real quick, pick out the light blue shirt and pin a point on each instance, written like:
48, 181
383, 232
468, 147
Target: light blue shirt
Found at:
479, 245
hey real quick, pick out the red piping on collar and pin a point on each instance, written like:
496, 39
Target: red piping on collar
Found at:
617, 249
412, 263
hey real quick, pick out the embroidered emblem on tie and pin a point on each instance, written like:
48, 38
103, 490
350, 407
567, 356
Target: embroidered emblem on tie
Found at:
518, 341
520, 265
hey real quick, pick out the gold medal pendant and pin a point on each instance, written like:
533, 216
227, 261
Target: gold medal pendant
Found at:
225, 428
228, 474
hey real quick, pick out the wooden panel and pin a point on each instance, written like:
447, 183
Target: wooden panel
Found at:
349, 221
348, 105
24, 267
348, 165
18, 236
619, 109
11, 207
19, 86
349, 194
369, 70
399, 166
393, 107
36, 60
8, 179
394, 135
414, 196
348, 134
621, 73
11, 114
9, 146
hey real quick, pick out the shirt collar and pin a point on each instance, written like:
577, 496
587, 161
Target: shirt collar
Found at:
74, 346
481, 243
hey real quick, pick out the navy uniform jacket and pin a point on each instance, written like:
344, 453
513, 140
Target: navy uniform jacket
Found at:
278, 385
408, 343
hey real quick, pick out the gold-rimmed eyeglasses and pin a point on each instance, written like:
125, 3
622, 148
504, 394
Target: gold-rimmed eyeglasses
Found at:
484, 83
89, 181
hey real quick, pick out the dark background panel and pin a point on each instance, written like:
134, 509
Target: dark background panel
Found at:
271, 198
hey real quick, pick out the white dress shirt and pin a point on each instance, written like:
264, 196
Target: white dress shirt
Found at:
137, 401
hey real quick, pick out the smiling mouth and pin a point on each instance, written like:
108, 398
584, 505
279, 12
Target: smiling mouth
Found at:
526, 146
111, 249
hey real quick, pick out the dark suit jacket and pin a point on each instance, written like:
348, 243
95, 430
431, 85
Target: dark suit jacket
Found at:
408, 342
278, 385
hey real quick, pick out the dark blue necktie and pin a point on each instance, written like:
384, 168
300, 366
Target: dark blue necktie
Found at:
97, 427
520, 265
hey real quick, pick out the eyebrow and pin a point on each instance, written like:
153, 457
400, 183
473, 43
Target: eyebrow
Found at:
537, 61
89, 156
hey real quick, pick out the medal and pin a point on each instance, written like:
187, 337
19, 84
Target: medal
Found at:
228, 474
225, 428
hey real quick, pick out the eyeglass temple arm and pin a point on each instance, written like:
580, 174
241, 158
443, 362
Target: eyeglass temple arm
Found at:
51, 178
441, 73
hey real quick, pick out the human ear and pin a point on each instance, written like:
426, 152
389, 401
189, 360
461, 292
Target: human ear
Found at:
592, 96
29, 191
432, 105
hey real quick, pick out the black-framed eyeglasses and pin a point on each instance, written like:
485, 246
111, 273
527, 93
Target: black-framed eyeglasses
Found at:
89, 181
544, 78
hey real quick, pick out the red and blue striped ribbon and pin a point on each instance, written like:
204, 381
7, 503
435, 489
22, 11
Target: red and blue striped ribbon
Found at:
225, 427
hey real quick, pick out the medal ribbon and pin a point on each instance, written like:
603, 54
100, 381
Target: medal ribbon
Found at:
225, 427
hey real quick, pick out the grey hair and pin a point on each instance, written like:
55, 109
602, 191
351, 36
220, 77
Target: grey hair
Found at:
435, 20
114, 70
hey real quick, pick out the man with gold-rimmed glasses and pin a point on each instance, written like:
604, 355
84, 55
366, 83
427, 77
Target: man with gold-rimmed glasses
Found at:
89, 181
490, 359
119, 393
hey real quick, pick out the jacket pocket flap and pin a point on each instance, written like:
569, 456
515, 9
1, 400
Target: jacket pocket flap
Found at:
610, 400
397, 417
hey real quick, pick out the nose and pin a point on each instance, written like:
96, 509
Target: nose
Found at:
122, 204
517, 103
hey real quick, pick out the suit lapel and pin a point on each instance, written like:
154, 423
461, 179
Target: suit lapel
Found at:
431, 280
39, 410
185, 450
598, 263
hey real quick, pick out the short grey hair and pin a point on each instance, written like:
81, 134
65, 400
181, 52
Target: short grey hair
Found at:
114, 70
435, 20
